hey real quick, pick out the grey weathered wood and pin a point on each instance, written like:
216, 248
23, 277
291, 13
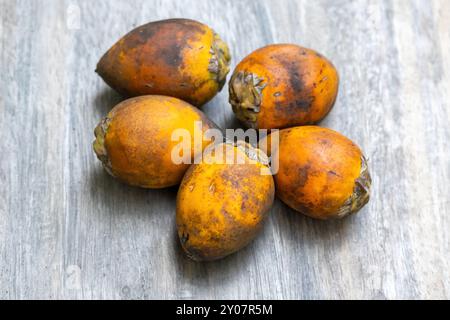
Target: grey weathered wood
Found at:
68, 230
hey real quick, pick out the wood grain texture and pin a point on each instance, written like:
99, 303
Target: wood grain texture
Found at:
69, 231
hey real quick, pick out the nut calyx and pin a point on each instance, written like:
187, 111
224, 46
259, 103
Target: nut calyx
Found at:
219, 64
99, 144
246, 96
361, 192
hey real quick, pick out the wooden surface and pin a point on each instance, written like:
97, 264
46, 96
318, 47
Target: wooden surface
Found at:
68, 230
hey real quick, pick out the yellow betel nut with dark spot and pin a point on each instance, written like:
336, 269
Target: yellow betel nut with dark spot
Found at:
177, 57
321, 173
134, 141
283, 85
221, 205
